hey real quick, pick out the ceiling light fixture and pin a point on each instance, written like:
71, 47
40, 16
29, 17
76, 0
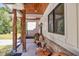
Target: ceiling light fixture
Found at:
35, 10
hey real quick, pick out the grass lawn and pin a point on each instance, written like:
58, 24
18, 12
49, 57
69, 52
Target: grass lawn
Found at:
5, 50
7, 36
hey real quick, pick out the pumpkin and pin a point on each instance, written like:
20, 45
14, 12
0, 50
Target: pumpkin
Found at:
58, 54
42, 52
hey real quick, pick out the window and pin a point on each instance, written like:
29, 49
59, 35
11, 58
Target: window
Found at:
58, 20
50, 22
31, 25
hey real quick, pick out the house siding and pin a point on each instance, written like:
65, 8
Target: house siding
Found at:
70, 40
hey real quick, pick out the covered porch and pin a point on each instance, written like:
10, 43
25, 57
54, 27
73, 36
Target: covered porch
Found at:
29, 12
58, 23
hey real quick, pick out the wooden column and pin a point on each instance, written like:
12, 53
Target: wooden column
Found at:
23, 30
14, 30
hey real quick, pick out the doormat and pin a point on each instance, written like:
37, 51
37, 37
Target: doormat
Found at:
17, 54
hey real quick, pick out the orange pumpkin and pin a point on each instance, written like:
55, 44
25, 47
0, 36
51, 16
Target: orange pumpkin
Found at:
42, 52
58, 54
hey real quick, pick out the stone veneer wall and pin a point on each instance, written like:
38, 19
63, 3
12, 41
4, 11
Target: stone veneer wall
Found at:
56, 48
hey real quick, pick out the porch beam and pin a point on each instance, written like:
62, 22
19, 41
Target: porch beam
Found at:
14, 30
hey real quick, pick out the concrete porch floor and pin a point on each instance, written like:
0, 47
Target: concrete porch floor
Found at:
30, 47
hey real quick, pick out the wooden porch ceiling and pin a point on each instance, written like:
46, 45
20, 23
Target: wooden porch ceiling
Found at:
30, 8
35, 8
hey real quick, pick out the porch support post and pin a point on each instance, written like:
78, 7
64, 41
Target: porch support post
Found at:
23, 30
14, 31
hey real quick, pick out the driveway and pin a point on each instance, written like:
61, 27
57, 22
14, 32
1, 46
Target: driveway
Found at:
7, 42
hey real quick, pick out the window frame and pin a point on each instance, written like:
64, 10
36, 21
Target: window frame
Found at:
54, 25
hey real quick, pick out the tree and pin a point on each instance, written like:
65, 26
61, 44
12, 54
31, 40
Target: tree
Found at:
5, 21
18, 25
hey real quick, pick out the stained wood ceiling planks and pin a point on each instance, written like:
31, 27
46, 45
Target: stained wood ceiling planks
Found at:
35, 8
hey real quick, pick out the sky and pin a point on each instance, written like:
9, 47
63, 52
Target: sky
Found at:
1, 5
